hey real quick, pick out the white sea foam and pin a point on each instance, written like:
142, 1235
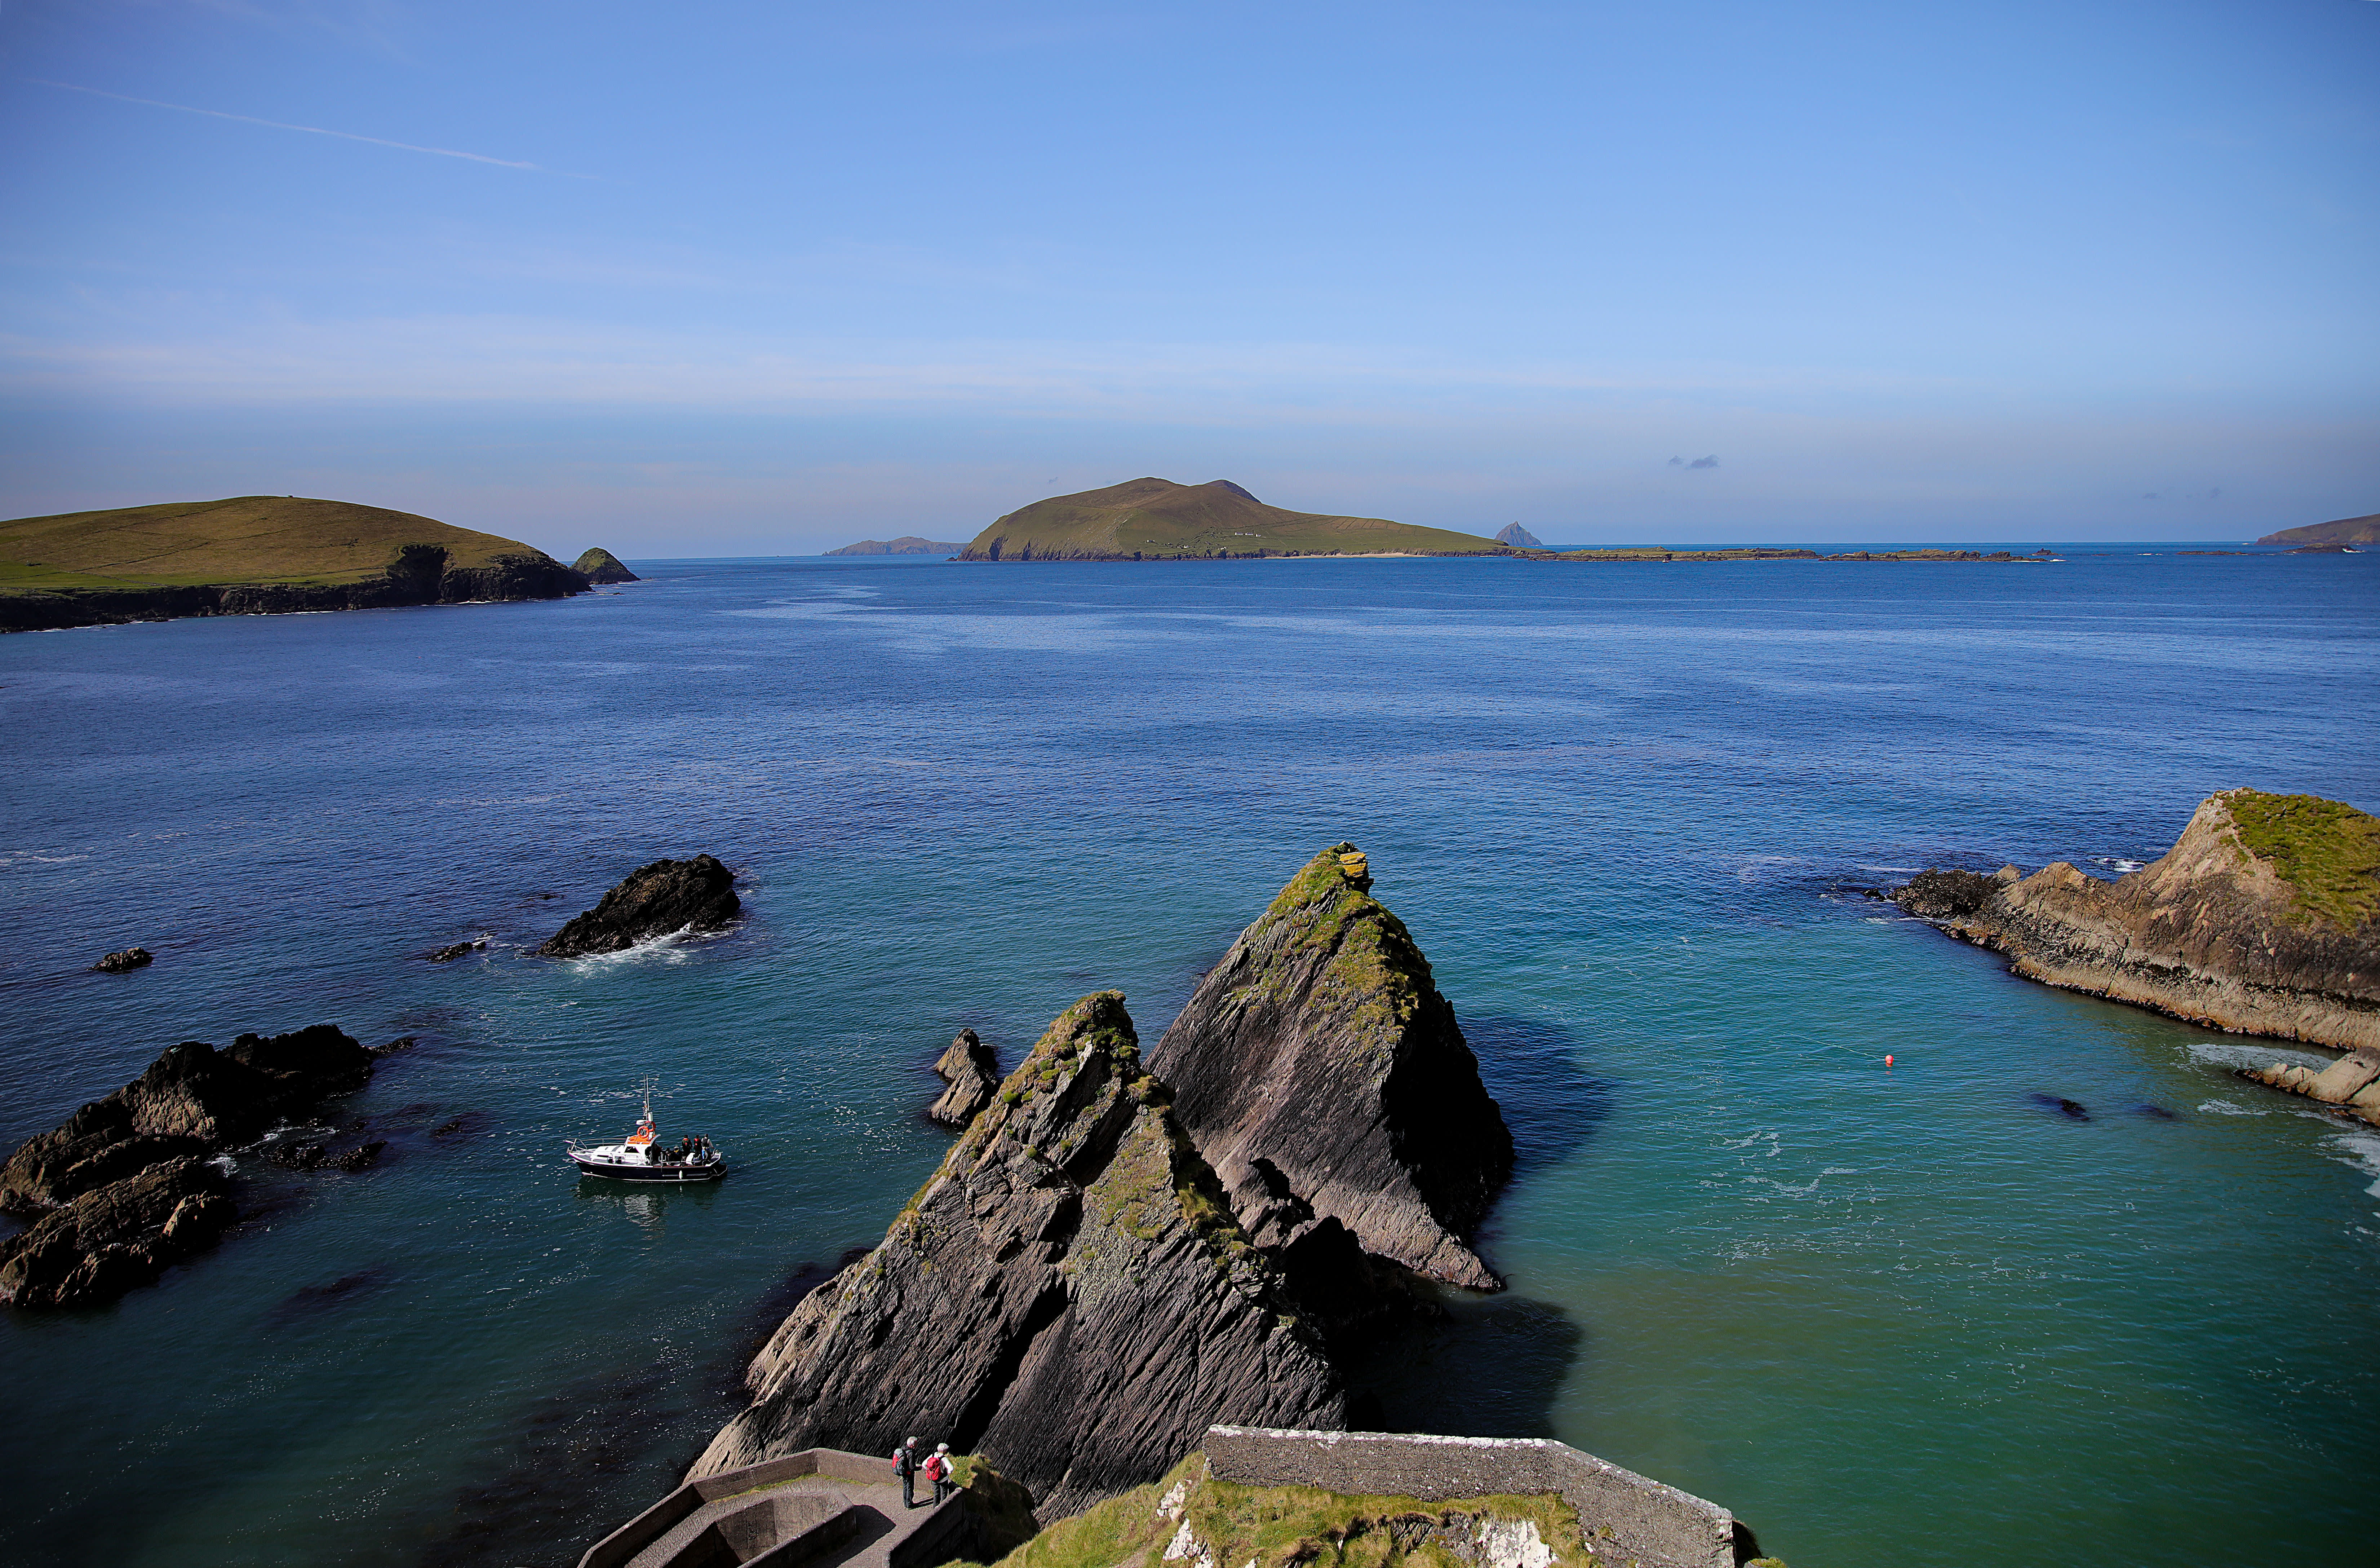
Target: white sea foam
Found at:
668, 948
2360, 1149
2228, 1108
2229, 1053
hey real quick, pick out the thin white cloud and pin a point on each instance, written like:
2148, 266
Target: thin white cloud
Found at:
310, 131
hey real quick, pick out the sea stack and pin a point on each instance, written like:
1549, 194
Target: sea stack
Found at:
655, 900
973, 1073
2264, 918
1069, 1295
1321, 1073
128, 1186
599, 566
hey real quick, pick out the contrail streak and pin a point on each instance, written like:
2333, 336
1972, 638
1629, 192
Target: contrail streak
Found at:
310, 131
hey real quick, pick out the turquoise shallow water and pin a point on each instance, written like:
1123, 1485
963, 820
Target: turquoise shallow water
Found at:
1892, 1318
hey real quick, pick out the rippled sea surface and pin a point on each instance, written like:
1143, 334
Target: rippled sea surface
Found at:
1894, 1317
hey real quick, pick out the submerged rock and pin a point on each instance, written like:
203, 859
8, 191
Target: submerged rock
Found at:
127, 958
668, 896
453, 951
2262, 919
108, 1186
971, 1071
1321, 1073
1068, 1296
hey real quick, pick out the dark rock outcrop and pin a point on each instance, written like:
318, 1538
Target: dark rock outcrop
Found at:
599, 566
1068, 1296
125, 1186
668, 896
1321, 1073
453, 951
973, 1072
125, 960
2264, 918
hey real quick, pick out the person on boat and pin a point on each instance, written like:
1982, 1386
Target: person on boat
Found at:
905, 1464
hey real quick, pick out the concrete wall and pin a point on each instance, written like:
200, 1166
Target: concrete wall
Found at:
1650, 1525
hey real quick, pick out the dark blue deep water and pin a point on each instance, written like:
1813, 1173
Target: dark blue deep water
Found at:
1895, 1318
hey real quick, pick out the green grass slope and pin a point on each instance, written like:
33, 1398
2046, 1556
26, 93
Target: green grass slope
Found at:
272, 540
1158, 519
2346, 530
2327, 851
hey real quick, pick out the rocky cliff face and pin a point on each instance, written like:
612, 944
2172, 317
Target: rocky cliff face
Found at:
1069, 1295
1321, 1073
418, 575
2260, 919
668, 896
126, 1185
973, 1073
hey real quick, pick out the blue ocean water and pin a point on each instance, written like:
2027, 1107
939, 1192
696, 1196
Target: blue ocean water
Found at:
1898, 1318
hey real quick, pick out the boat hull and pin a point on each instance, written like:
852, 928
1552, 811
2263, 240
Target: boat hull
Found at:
673, 1174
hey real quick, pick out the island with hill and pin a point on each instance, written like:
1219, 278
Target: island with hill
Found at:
2262, 919
908, 545
1154, 519
256, 555
2345, 533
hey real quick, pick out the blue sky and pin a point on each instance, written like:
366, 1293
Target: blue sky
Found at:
704, 278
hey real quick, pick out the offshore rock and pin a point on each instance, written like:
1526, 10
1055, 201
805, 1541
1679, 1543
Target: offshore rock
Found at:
2264, 918
599, 566
125, 960
125, 1186
973, 1073
668, 896
1321, 1074
116, 1237
2351, 1083
1068, 1296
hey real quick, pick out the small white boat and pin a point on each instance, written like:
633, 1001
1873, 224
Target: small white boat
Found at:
641, 1156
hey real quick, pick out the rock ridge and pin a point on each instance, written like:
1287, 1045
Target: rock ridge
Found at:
1069, 1295
1322, 1074
971, 1071
2260, 919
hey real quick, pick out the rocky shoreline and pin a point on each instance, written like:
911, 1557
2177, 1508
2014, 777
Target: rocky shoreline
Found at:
2260, 919
421, 576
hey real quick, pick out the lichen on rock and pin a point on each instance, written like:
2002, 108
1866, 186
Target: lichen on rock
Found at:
1324, 1077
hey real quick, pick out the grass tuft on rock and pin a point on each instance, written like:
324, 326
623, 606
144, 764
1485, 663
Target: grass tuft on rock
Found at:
2327, 851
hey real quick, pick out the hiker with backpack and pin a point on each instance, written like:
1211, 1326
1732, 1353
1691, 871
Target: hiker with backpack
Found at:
937, 1470
905, 1464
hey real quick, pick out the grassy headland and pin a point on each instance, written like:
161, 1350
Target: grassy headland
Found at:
254, 555
1153, 520
2327, 851
247, 539
2346, 530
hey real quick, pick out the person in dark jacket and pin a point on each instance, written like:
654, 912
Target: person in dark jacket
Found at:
905, 1464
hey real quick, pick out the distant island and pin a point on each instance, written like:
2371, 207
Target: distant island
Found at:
908, 545
2346, 530
1514, 533
1154, 519
256, 556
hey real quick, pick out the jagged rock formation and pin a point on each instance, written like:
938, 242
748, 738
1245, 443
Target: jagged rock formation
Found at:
972, 1070
1321, 1074
2262, 919
668, 896
1514, 534
599, 566
126, 1185
125, 960
1068, 1296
